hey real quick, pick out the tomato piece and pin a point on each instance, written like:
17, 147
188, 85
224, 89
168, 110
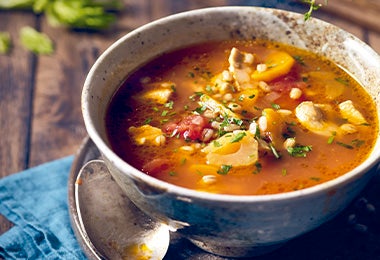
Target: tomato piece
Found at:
190, 127
156, 166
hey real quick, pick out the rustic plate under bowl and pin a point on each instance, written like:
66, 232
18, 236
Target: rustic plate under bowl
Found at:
355, 233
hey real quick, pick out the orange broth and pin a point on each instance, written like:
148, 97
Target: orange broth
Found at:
168, 111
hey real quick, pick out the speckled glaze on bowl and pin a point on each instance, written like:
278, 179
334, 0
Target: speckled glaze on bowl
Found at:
225, 224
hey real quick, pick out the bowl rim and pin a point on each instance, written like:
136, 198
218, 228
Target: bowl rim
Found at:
330, 185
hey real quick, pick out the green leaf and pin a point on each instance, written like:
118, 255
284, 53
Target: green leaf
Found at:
274, 151
224, 169
40, 5
237, 137
36, 42
16, 4
5, 42
299, 150
78, 15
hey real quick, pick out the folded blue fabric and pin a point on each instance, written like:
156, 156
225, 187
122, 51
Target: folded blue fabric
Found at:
36, 201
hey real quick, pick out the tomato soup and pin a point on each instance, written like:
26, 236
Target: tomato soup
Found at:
242, 118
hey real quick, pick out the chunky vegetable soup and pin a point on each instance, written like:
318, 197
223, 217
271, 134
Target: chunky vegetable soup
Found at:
242, 117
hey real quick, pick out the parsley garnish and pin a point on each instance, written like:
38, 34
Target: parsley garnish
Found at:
224, 169
299, 150
275, 106
274, 151
258, 168
331, 138
345, 145
169, 104
236, 138
172, 173
299, 59
216, 143
357, 142
201, 109
147, 121
342, 81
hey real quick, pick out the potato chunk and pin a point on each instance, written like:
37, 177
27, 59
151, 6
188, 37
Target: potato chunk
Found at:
159, 92
147, 135
349, 112
239, 148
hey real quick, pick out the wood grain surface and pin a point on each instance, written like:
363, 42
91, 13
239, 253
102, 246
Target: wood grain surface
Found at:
40, 115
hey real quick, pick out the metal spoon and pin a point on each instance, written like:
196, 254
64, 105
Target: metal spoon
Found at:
112, 226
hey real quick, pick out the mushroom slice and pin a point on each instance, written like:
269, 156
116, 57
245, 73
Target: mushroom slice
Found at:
313, 118
240, 67
349, 112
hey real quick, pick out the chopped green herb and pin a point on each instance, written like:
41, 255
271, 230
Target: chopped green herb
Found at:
284, 172
315, 178
237, 121
147, 121
172, 173
274, 151
299, 59
252, 96
164, 112
183, 161
275, 106
342, 81
299, 150
241, 98
237, 137
216, 143
191, 74
224, 169
331, 138
258, 168
357, 142
169, 104
345, 145
155, 109
209, 88
201, 109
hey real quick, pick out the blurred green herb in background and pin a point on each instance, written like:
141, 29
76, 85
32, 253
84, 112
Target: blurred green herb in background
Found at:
73, 14
313, 6
35, 41
76, 14
5, 42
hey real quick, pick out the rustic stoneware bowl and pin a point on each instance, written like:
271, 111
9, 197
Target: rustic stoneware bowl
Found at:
225, 224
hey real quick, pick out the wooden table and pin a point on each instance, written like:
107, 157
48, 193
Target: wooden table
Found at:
40, 114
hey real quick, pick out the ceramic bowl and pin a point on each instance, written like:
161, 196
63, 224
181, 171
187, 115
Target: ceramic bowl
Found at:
226, 224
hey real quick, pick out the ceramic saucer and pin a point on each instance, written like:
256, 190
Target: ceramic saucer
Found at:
103, 218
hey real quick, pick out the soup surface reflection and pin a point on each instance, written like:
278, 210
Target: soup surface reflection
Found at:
242, 117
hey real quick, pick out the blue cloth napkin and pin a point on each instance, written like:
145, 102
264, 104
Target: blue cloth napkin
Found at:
36, 201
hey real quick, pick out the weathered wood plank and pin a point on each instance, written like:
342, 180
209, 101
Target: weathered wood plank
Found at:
16, 89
